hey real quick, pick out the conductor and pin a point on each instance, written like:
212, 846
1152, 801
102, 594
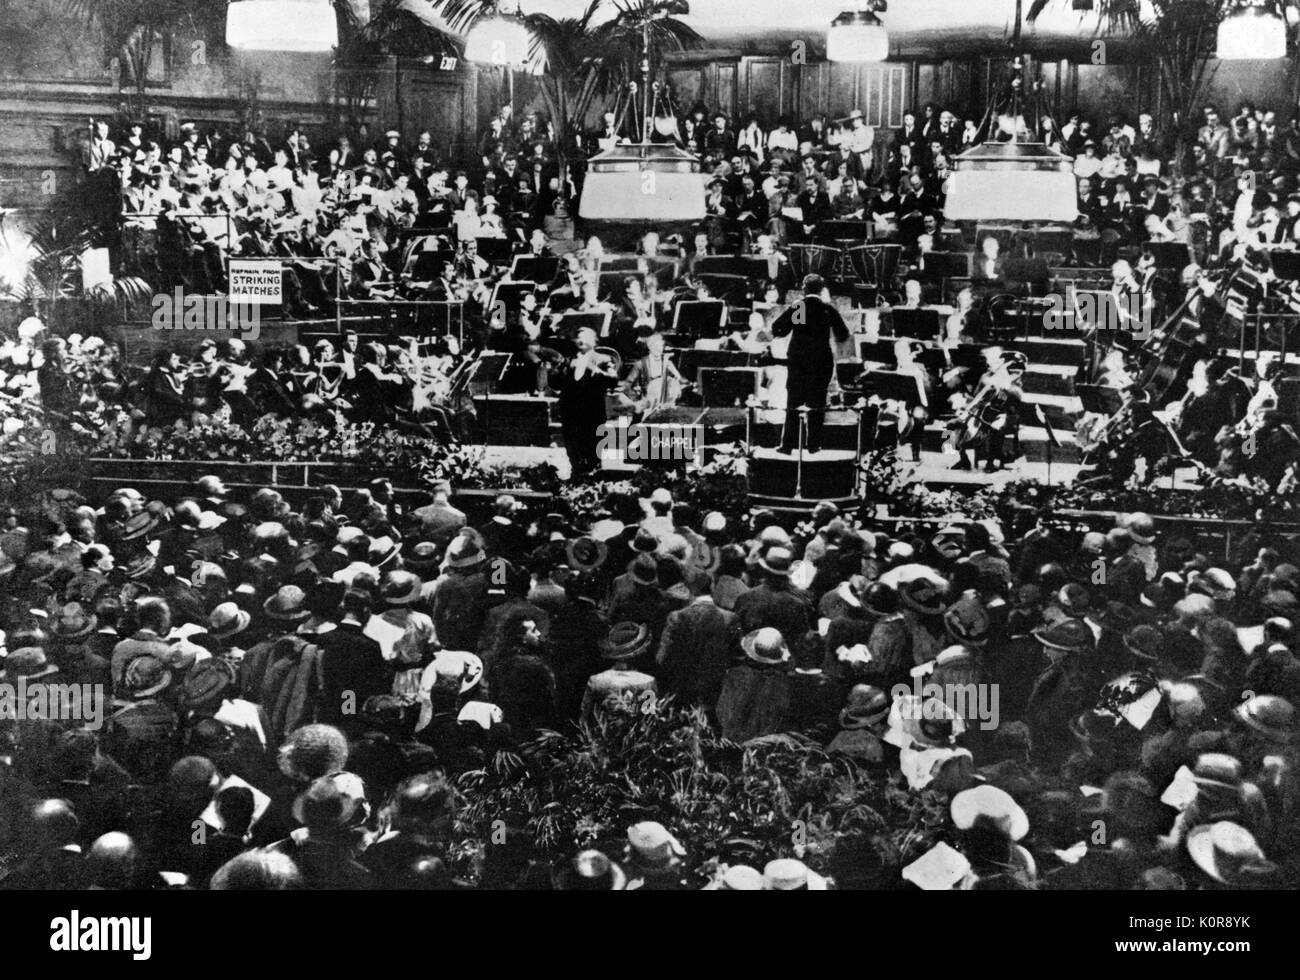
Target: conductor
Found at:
583, 385
811, 360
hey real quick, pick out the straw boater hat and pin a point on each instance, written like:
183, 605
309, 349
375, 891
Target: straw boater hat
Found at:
145, 676
765, 646
788, 875
591, 871
777, 560
227, 620
651, 847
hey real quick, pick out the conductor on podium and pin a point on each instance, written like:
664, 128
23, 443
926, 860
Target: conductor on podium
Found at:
811, 323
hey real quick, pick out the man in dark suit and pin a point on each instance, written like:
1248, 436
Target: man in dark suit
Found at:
352, 665
814, 203
811, 322
695, 651
583, 385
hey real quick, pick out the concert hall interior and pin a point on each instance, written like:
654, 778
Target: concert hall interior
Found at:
559, 265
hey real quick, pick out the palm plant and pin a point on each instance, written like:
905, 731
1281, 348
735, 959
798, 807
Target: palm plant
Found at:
1180, 34
50, 269
396, 27
581, 59
132, 31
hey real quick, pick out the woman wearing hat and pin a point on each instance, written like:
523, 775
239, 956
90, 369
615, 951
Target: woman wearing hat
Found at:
624, 643
756, 695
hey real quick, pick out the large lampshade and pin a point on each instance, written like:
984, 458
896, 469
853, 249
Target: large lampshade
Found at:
1253, 31
281, 25
643, 182
857, 35
498, 40
1012, 182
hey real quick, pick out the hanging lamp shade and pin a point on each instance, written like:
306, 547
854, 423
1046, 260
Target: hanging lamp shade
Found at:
857, 35
1012, 182
1252, 31
643, 182
281, 25
498, 39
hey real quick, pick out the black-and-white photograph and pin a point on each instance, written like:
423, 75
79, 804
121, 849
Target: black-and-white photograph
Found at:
613, 445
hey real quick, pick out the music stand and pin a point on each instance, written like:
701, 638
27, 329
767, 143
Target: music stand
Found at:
728, 387
495, 251
510, 294
567, 325
429, 265
947, 265
1170, 255
843, 230
895, 386
699, 318
1099, 399
535, 268
1286, 265
918, 324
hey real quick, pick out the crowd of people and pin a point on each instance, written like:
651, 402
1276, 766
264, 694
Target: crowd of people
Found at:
310, 686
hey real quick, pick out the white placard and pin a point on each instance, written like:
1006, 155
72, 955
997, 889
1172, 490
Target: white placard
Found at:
255, 281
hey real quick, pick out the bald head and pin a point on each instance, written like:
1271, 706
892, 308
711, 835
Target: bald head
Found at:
112, 861
55, 823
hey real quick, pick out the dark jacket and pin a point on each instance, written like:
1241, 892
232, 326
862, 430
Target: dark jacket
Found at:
695, 651
755, 700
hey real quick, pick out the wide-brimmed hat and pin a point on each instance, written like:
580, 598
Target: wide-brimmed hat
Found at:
590, 871
650, 845
73, 622
586, 554
400, 588
644, 570
867, 706
1227, 852
777, 560
209, 683
312, 751
465, 552
1145, 642
789, 875
1141, 528
967, 621
989, 806
1270, 715
1215, 583
926, 721
1071, 635
28, 662
462, 669
765, 646
423, 557
330, 801
138, 566
737, 878
138, 526
383, 551
289, 604
145, 676
226, 620
645, 541
624, 641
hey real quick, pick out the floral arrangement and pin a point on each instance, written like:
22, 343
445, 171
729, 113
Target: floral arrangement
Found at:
780, 796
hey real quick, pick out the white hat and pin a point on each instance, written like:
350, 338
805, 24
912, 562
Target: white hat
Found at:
651, 843
661, 496
990, 805
481, 713
788, 874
